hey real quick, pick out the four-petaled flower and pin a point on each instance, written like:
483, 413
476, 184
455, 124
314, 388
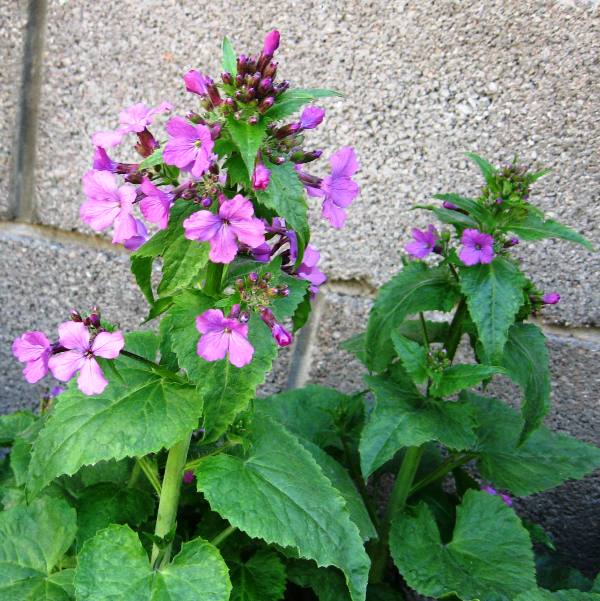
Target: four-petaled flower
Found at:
33, 349
338, 190
107, 203
477, 247
132, 119
189, 146
156, 204
424, 242
80, 356
235, 220
223, 336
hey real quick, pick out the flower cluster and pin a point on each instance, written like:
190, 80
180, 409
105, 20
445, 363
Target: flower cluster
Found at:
80, 342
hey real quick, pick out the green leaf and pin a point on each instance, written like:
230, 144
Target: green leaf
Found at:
567, 595
260, 578
141, 267
437, 331
247, 139
413, 357
33, 540
543, 461
535, 228
458, 377
302, 312
487, 170
526, 362
474, 208
183, 261
236, 171
402, 418
138, 413
287, 501
225, 389
144, 344
341, 481
356, 345
285, 196
20, 457
451, 217
12, 424
494, 294
292, 100
156, 158
105, 504
489, 557
416, 288
229, 59
327, 583
113, 566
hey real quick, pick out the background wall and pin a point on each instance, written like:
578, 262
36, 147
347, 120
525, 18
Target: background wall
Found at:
424, 82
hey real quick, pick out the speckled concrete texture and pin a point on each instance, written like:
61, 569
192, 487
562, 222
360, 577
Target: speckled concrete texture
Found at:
12, 23
424, 82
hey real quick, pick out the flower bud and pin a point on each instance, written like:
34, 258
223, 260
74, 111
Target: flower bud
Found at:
551, 298
260, 177
287, 130
511, 242
244, 317
206, 202
266, 104
230, 102
253, 120
235, 311
282, 87
253, 276
270, 70
241, 65
196, 82
195, 118
188, 477
311, 117
281, 335
450, 206
75, 315
213, 93
239, 80
215, 130
271, 43
226, 78
239, 283
265, 86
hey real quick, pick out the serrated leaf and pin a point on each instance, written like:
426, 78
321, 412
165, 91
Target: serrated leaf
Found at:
183, 261
437, 331
489, 558
543, 461
416, 288
487, 170
494, 293
526, 362
105, 504
413, 357
138, 413
285, 196
458, 377
327, 583
247, 139
260, 578
156, 158
403, 418
113, 566
141, 267
535, 228
12, 424
225, 389
229, 60
33, 540
292, 100
566, 595
236, 171
303, 510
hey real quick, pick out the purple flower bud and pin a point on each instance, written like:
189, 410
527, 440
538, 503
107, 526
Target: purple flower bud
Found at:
196, 82
253, 276
75, 316
287, 130
226, 77
215, 131
235, 312
450, 206
271, 43
213, 93
253, 120
206, 202
281, 335
260, 177
265, 86
551, 298
56, 390
241, 65
311, 117
262, 253
146, 144
266, 104
282, 87
230, 102
279, 160
239, 80
244, 317
270, 70
499, 201
511, 242
188, 477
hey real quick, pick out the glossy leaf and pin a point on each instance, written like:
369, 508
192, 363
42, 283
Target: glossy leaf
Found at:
487, 170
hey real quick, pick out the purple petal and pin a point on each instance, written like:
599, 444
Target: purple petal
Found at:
64, 365
211, 320
30, 346
418, 249
250, 232
344, 162
180, 152
311, 117
223, 246
108, 139
486, 254
35, 370
260, 177
334, 214
101, 160
213, 345
469, 255
74, 335
91, 380
240, 350
196, 82
178, 127
108, 344
342, 190
202, 225
125, 227
140, 238
238, 208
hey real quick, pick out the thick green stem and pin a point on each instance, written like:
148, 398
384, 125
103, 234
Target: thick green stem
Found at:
455, 332
169, 500
400, 493
214, 275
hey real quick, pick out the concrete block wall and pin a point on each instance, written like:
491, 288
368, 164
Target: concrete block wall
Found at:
424, 82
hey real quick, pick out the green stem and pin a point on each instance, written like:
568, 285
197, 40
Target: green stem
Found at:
223, 535
424, 328
195, 463
169, 500
135, 474
214, 275
150, 474
400, 493
455, 331
441, 470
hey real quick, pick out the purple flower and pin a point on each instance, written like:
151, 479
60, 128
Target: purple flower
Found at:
188, 477
108, 204
235, 220
551, 298
81, 355
271, 43
309, 271
338, 189
477, 247
260, 177
424, 242
33, 349
156, 205
132, 119
262, 253
189, 146
492, 491
311, 117
102, 162
136, 241
196, 82
223, 336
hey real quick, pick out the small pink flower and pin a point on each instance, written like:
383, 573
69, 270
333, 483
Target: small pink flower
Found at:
260, 177
424, 242
235, 221
223, 336
196, 82
108, 204
189, 146
33, 349
81, 355
477, 247
309, 271
155, 206
132, 119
